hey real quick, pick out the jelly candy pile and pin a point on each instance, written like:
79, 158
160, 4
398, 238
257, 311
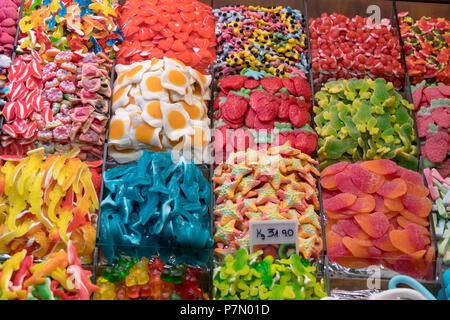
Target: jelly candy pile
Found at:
146, 279
59, 277
264, 110
426, 45
59, 104
343, 48
278, 183
261, 39
46, 203
377, 212
9, 14
244, 276
432, 103
156, 206
177, 29
160, 104
364, 120
69, 25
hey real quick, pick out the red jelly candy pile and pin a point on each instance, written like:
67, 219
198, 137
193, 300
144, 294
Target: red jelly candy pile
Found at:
8, 24
427, 52
184, 30
433, 121
344, 48
279, 107
25, 103
377, 213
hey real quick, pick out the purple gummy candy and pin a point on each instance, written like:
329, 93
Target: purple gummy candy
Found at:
9, 30
8, 22
10, 12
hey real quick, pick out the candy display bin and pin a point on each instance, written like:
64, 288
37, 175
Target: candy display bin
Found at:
332, 60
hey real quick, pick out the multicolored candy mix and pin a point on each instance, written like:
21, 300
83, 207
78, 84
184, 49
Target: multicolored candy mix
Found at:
246, 277
261, 39
426, 44
59, 104
60, 277
364, 120
432, 103
156, 206
130, 279
46, 202
177, 29
69, 25
440, 193
278, 183
377, 213
343, 48
9, 14
264, 110
160, 104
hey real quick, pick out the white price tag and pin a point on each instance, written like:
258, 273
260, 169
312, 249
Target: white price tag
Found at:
267, 232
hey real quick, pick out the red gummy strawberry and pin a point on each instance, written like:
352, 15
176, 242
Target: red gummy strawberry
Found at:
289, 85
306, 141
235, 82
234, 108
441, 115
259, 125
298, 116
217, 100
283, 110
423, 123
250, 117
271, 84
250, 83
445, 171
436, 146
268, 109
257, 98
302, 87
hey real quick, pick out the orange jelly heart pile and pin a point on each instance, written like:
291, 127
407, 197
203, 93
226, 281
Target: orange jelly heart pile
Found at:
377, 214
180, 29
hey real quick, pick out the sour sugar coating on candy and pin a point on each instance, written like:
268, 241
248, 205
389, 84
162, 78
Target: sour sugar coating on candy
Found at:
343, 48
364, 120
149, 279
161, 105
426, 48
49, 202
72, 25
275, 183
182, 30
252, 110
244, 276
384, 221
432, 104
262, 39
59, 277
9, 15
156, 206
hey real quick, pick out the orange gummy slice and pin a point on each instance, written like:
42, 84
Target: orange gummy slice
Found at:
403, 222
384, 242
374, 224
393, 189
328, 182
363, 204
380, 166
360, 251
420, 206
393, 204
364, 179
334, 169
415, 219
340, 201
335, 215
